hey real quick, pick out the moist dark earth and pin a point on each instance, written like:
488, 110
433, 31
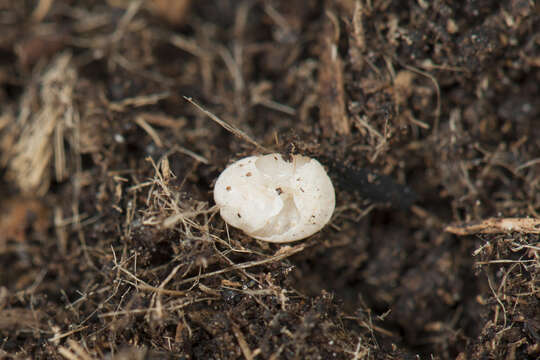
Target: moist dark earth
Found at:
425, 113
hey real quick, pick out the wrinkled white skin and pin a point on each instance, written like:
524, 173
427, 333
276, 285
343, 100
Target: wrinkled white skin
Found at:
274, 200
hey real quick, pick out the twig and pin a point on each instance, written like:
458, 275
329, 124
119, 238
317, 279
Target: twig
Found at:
496, 226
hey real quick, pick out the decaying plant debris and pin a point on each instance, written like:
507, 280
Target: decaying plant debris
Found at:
110, 244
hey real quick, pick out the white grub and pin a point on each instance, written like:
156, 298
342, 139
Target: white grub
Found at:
275, 200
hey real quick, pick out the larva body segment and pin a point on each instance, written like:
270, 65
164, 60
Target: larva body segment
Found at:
275, 200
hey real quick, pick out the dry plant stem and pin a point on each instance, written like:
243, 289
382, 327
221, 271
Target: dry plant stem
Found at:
281, 254
136, 101
244, 346
496, 226
180, 149
41, 10
173, 307
358, 26
371, 327
235, 131
437, 112
58, 337
139, 120
76, 351
167, 199
334, 118
156, 297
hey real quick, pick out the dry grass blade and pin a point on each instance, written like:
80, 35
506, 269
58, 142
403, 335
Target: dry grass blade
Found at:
232, 129
283, 253
165, 209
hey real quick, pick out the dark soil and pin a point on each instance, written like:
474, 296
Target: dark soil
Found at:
426, 114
